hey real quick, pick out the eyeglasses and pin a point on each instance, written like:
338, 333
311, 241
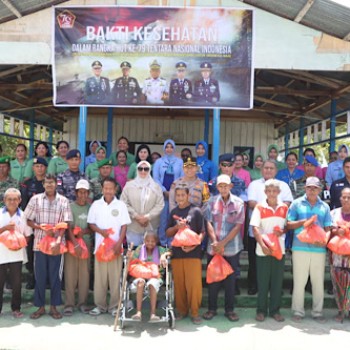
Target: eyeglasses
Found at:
226, 165
140, 168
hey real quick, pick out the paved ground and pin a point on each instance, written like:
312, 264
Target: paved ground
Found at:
86, 332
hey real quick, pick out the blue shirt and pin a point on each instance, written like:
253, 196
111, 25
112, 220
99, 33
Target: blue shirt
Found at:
207, 170
334, 172
301, 209
287, 177
238, 188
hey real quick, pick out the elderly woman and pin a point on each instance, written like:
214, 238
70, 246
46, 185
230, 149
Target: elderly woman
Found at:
340, 264
144, 200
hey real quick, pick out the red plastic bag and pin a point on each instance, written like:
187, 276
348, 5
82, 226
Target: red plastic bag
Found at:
185, 238
105, 252
341, 244
13, 240
143, 269
273, 243
48, 242
81, 242
218, 269
312, 233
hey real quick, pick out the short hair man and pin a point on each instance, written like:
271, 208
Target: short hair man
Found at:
180, 90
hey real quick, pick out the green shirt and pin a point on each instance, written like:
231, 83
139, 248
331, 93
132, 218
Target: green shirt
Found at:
28, 171
80, 214
130, 158
18, 169
56, 166
92, 171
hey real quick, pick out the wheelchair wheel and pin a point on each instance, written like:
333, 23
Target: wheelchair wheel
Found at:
171, 319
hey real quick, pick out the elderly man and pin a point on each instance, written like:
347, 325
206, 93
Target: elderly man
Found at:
256, 194
48, 208
308, 259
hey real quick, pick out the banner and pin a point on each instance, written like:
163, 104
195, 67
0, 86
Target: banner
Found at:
153, 56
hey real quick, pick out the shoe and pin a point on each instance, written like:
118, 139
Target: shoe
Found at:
297, 318
95, 312
319, 319
196, 320
232, 316
209, 315
260, 317
278, 317
252, 291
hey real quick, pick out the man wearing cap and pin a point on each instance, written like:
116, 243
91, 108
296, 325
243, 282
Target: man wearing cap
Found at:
308, 259
67, 180
155, 88
298, 186
206, 90
226, 213
97, 88
198, 189
338, 185
6, 181
105, 167
126, 89
226, 163
76, 270
180, 90
28, 189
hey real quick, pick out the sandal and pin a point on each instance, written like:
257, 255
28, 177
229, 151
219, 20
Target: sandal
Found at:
95, 312
209, 315
17, 314
278, 317
37, 314
339, 318
154, 318
260, 317
137, 316
231, 316
68, 311
55, 314
196, 320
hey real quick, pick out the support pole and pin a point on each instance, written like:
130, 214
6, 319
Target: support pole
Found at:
206, 125
82, 134
216, 136
109, 132
50, 140
301, 140
31, 135
286, 141
332, 125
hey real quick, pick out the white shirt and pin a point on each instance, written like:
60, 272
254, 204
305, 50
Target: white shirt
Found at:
7, 255
105, 216
256, 191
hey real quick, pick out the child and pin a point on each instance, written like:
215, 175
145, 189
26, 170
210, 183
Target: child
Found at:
187, 261
148, 251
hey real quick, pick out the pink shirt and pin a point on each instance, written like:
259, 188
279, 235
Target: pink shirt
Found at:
244, 175
121, 175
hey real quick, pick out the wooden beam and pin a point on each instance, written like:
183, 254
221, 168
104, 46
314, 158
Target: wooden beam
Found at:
304, 11
15, 70
273, 102
280, 90
347, 37
12, 8
30, 86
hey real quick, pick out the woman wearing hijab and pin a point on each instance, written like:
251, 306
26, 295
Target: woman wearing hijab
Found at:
335, 169
143, 153
255, 173
92, 171
272, 153
93, 149
144, 200
166, 170
207, 170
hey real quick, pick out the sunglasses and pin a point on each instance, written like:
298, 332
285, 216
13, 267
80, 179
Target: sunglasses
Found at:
140, 168
226, 165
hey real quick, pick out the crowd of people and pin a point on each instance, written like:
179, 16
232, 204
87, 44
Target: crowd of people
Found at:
145, 200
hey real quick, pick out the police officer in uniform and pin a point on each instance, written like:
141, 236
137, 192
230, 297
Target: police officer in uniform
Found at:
126, 90
6, 181
180, 90
67, 181
28, 189
155, 88
206, 90
97, 88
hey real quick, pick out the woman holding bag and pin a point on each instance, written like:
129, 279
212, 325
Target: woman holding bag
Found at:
144, 200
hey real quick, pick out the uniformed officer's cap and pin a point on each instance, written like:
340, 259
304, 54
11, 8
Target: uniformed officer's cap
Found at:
96, 64
125, 64
5, 160
181, 65
39, 160
312, 160
73, 153
227, 157
206, 66
104, 162
155, 65
190, 161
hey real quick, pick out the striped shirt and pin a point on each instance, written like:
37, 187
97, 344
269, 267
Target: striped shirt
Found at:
224, 217
266, 218
43, 211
